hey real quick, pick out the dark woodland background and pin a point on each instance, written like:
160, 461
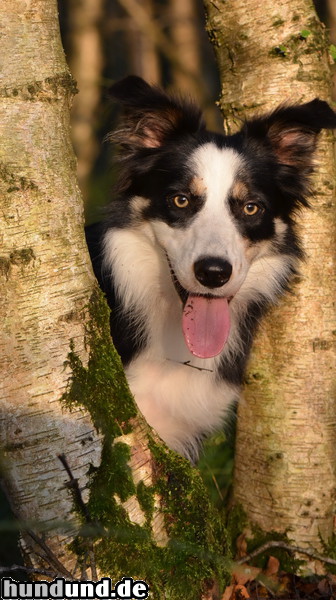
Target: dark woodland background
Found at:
163, 41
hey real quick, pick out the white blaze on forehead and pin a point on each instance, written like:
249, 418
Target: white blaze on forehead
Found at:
213, 230
217, 169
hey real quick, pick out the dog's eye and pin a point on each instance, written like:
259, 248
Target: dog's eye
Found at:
251, 209
180, 201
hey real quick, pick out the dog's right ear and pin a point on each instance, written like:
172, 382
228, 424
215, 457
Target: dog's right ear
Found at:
151, 118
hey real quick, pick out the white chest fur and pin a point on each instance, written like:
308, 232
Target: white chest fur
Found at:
179, 401
181, 396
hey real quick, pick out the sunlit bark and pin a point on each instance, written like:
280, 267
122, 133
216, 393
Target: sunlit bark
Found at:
285, 456
63, 391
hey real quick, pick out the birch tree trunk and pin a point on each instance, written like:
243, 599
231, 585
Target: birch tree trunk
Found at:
46, 280
285, 455
126, 506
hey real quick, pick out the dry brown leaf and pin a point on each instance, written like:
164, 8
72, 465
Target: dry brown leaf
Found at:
236, 592
244, 573
332, 578
324, 587
271, 583
285, 584
241, 592
262, 592
272, 567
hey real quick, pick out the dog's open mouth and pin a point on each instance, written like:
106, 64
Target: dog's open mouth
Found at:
205, 320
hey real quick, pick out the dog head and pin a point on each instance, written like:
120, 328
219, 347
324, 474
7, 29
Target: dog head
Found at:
221, 207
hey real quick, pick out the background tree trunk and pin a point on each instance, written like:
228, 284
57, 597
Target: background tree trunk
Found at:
143, 511
285, 454
186, 39
144, 55
331, 23
86, 63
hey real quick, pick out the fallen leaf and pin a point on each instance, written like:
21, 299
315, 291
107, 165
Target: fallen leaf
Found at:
244, 573
332, 578
324, 587
241, 592
272, 567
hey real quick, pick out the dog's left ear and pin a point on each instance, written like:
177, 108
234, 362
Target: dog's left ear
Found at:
151, 118
291, 131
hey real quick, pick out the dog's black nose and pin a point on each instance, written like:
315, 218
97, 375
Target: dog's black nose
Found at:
212, 272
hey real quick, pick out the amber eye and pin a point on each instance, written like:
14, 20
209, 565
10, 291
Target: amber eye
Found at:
251, 209
180, 201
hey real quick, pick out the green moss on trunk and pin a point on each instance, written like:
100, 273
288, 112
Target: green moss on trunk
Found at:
101, 387
195, 555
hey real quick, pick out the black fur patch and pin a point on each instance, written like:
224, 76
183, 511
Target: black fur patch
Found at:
129, 339
271, 181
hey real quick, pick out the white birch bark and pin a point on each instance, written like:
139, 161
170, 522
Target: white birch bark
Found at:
45, 303
45, 272
285, 455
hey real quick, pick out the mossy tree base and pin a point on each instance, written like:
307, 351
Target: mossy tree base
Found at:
152, 515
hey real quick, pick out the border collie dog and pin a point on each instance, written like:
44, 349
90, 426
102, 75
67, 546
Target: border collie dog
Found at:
198, 242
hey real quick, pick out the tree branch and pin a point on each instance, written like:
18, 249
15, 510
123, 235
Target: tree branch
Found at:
279, 544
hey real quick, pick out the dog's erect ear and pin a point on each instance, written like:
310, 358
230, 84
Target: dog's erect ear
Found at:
292, 131
151, 117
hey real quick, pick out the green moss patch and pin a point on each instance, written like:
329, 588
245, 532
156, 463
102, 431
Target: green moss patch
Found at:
311, 39
195, 553
101, 387
237, 523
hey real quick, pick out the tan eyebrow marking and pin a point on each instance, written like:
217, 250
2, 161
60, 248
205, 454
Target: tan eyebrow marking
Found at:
240, 190
138, 204
197, 186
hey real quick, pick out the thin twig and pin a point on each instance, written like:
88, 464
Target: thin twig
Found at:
279, 544
73, 484
187, 363
48, 554
94, 574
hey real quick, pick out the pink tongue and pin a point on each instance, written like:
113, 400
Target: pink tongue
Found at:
206, 325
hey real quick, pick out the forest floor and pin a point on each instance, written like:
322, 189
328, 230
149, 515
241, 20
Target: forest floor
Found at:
251, 583
269, 580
